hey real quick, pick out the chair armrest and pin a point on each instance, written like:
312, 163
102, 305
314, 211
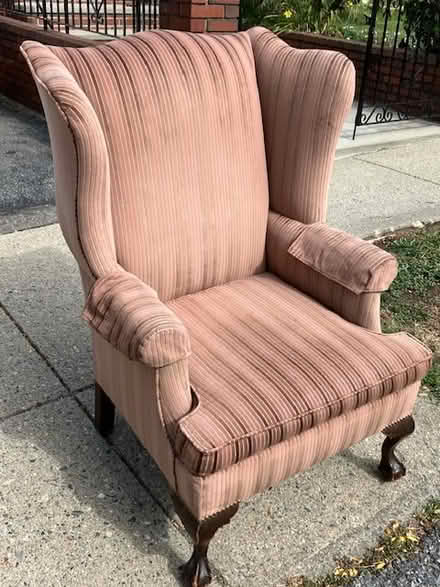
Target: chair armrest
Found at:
128, 313
340, 271
353, 263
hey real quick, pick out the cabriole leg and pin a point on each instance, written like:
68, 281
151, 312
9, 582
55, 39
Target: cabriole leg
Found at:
196, 572
390, 466
104, 411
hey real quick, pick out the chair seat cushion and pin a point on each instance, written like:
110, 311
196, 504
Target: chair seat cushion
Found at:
269, 362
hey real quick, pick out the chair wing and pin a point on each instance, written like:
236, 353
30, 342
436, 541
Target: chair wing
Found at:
305, 96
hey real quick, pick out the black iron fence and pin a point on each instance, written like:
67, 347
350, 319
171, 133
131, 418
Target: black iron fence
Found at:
107, 17
401, 75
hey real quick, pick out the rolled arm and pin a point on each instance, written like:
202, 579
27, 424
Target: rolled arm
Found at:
128, 313
341, 271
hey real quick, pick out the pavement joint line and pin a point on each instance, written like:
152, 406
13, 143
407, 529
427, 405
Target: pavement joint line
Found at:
83, 388
15, 230
35, 346
37, 405
25, 228
359, 158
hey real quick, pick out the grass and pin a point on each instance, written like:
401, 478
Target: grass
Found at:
413, 301
399, 541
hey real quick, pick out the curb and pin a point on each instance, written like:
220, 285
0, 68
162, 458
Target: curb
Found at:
379, 234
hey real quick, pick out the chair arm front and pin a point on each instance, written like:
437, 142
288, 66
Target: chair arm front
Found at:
128, 313
343, 272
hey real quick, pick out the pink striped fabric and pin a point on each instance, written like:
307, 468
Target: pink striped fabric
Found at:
181, 119
347, 260
128, 314
362, 309
268, 363
206, 495
305, 97
160, 143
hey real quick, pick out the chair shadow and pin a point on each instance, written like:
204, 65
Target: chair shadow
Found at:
88, 463
367, 464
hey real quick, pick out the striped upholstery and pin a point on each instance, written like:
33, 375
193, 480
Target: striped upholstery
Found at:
268, 363
305, 97
170, 149
362, 309
206, 495
359, 266
128, 313
182, 125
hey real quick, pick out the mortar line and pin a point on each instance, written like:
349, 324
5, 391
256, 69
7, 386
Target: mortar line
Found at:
397, 171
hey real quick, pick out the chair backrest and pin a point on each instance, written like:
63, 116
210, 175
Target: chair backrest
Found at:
181, 118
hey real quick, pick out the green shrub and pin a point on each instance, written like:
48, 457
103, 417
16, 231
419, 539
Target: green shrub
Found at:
311, 16
255, 12
422, 24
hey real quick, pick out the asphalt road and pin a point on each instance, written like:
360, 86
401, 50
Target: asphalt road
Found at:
423, 570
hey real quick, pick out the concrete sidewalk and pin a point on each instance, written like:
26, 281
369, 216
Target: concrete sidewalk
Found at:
76, 510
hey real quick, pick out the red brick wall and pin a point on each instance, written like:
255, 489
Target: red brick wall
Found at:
15, 79
200, 16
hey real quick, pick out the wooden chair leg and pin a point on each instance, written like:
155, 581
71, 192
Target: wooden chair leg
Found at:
390, 466
104, 411
196, 572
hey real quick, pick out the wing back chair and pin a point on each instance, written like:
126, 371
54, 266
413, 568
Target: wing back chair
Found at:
237, 334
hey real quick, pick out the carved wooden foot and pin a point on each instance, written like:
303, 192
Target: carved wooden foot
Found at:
390, 466
196, 572
104, 411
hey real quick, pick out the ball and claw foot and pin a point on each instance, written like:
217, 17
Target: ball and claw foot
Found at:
391, 468
196, 572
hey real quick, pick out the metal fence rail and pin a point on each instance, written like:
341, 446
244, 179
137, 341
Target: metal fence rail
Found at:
401, 76
107, 17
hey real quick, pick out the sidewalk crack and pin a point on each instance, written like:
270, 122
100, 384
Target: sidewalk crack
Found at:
359, 158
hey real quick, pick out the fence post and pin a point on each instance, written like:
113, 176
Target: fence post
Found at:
199, 16
138, 15
44, 15
367, 60
66, 16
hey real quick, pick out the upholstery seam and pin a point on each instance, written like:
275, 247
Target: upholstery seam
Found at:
66, 118
310, 412
204, 476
